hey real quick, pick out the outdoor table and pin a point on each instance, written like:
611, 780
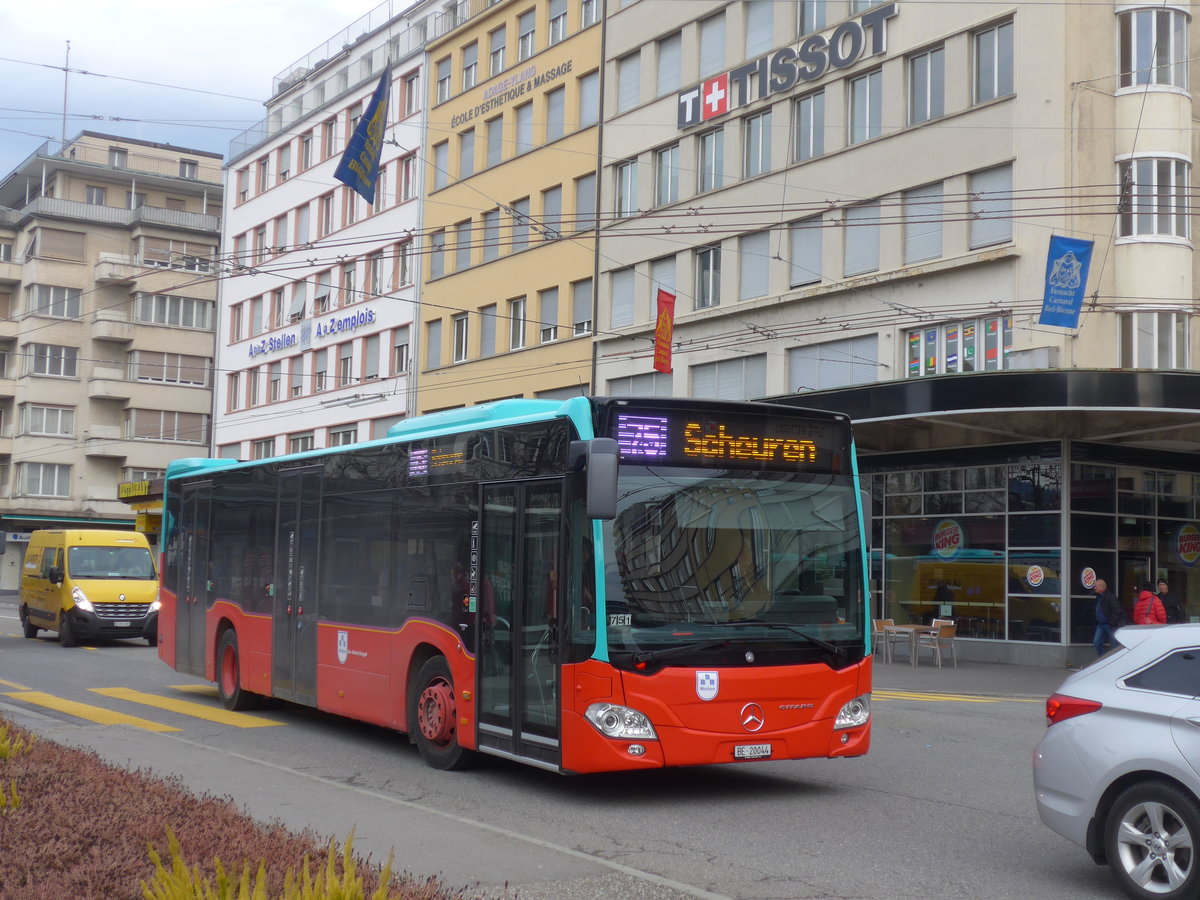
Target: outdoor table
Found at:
912, 631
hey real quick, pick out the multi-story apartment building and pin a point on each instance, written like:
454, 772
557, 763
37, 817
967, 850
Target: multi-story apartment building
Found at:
511, 189
107, 296
317, 309
853, 201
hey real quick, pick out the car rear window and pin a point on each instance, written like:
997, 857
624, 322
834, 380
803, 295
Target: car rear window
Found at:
1178, 673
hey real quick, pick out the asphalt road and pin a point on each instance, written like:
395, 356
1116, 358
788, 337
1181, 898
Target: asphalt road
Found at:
941, 808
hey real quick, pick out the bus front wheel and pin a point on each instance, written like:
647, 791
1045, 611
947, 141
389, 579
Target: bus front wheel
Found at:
433, 717
229, 674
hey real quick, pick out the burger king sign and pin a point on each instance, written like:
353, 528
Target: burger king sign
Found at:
949, 539
1187, 545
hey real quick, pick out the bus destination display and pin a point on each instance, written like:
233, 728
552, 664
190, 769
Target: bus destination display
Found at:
681, 437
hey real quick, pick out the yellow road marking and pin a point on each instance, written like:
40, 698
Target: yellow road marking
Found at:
943, 698
84, 711
14, 685
187, 708
208, 690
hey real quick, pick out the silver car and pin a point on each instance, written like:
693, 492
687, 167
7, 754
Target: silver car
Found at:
1118, 770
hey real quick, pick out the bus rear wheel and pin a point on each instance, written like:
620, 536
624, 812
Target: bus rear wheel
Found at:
229, 674
433, 717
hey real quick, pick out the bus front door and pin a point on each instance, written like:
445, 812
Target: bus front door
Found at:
294, 656
518, 650
195, 585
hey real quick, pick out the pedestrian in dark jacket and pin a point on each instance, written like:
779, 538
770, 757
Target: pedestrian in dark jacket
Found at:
1171, 603
1110, 615
1148, 609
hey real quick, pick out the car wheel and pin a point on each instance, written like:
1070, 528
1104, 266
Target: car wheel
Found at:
433, 717
229, 674
1150, 839
66, 632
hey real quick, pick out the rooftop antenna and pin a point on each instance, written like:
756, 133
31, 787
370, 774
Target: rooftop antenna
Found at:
66, 75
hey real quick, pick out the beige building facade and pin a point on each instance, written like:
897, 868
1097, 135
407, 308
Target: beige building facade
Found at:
512, 143
108, 251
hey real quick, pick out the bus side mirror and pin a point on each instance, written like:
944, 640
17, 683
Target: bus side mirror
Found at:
603, 457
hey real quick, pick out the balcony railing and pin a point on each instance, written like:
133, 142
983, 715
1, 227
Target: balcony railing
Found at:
112, 215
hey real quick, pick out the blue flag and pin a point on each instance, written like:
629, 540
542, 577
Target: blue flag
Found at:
1066, 280
359, 168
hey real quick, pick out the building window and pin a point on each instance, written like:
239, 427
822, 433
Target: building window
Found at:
495, 141
58, 421
552, 213
6, 250
520, 226
1154, 339
118, 157
548, 316
666, 175
589, 13
589, 99
862, 239
301, 443
350, 284
1154, 197
189, 168
95, 196
833, 364
326, 213
1154, 47
809, 124
343, 436
441, 165
400, 350
524, 133
297, 378
740, 378
491, 235
56, 302
516, 323
994, 62
306, 156
712, 45
669, 78
756, 145
233, 391
470, 65
404, 264
555, 113
581, 307
866, 107
760, 27
496, 52
708, 277
462, 246
45, 479
629, 81
973, 345
923, 214
648, 384
328, 138
412, 93
487, 330
345, 364
991, 207
166, 425
626, 188
275, 382
558, 21
711, 160
926, 85
52, 359
461, 336
408, 178
443, 80
585, 202
263, 449
620, 283
437, 254
526, 34
170, 368
754, 262
322, 293
812, 16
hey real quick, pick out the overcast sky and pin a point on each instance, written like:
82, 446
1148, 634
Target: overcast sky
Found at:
231, 47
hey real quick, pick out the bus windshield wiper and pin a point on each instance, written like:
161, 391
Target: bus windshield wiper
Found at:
644, 656
784, 626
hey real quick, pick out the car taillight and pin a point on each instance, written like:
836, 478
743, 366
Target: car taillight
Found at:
1060, 707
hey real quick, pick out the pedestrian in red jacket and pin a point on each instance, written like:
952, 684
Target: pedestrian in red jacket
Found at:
1148, 609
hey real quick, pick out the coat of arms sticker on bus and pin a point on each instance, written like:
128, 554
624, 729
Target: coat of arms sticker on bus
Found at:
343, 646
707, 684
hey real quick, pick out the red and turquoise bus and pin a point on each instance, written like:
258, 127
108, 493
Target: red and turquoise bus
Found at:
592, 585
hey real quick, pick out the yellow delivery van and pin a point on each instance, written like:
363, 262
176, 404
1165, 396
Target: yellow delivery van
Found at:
89, 583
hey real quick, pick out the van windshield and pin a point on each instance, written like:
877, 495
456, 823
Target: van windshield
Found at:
133, 563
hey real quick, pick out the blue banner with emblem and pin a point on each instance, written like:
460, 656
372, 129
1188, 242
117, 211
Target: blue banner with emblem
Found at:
359, 168
1066, 281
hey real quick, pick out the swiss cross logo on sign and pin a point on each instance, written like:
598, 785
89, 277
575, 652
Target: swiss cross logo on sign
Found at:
714, 95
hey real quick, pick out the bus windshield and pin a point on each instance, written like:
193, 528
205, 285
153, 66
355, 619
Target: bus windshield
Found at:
132, 563
721, 567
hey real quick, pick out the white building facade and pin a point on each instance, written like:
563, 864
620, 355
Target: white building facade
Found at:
317, 306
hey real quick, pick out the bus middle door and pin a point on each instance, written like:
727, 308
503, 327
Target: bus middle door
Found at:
294, 654
518, 651
195, 584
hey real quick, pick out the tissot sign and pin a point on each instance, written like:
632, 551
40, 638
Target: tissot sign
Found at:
782, 70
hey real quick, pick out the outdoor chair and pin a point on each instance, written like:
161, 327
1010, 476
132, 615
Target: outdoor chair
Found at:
939, 641
879, 637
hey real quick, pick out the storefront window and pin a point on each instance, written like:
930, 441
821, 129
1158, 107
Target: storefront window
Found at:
1093, 488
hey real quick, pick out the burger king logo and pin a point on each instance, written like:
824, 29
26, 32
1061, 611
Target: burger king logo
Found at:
1088, 578
1187, 545
1035, 576
949, 539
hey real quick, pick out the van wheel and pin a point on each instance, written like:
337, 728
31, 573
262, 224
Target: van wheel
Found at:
28, 627
229, 674
152, 639
66, 632
433, 717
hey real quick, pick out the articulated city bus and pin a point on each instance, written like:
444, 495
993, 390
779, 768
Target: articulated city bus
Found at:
591, 585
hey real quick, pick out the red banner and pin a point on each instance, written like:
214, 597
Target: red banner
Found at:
664, 330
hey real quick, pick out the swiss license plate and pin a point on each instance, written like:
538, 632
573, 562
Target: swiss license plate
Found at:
121, 624
751, 751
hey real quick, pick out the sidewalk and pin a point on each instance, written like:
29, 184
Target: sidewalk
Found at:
996, 679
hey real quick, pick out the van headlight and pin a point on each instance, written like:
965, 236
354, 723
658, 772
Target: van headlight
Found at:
620, 722
80, 599
156, 606
855, 713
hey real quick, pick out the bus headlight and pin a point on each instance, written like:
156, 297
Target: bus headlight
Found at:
80, 599
620, 722
856, 712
